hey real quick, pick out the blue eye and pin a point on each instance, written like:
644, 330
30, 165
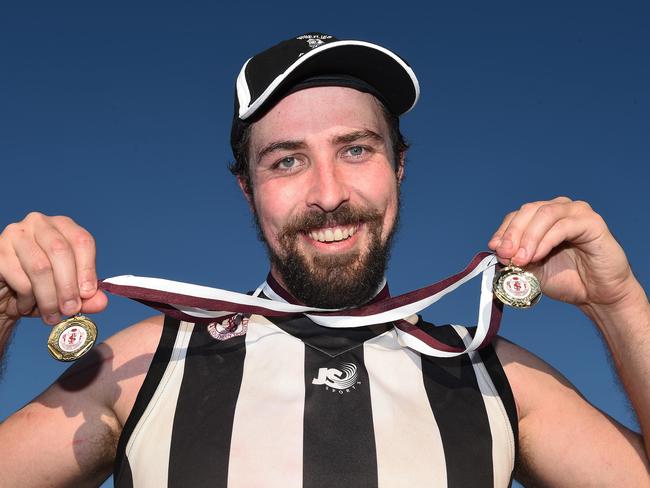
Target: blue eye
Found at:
356, 151
287, 163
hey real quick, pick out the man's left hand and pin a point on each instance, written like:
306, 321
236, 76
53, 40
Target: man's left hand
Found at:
570, 249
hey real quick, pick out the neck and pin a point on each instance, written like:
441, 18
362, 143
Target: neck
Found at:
278, 285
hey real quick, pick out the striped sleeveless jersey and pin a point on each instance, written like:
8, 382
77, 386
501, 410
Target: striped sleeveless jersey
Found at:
287, 403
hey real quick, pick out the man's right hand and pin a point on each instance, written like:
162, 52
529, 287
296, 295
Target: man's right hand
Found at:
47, 269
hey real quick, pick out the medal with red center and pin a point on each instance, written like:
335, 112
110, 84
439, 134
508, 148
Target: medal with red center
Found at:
72, 338
516, 287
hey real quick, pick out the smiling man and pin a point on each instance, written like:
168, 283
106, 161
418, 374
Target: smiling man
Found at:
253, 400
325, 193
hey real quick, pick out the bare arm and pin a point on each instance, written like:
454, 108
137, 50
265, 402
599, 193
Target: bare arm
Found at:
565, 441
626, 329
68, 435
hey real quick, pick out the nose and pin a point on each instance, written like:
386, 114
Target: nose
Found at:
328, 188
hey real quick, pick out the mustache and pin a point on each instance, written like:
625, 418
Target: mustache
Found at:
317, 219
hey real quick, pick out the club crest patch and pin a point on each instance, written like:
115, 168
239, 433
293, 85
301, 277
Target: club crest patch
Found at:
233, 326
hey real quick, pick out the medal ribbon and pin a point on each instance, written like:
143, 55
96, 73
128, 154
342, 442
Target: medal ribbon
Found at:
202, 304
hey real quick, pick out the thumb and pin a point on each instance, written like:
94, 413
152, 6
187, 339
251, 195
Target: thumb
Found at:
95, 304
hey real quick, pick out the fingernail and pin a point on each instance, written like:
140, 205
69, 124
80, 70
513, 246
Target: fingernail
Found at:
521, 253
505, 244
70, 307
53, 318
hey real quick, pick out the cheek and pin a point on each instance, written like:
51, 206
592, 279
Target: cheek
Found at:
379, 188
274, 204
381, 192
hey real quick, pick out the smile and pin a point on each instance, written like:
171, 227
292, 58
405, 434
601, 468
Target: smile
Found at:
333, 234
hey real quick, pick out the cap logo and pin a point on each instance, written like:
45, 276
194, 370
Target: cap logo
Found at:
315, 42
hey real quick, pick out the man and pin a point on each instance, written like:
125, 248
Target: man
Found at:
282, 401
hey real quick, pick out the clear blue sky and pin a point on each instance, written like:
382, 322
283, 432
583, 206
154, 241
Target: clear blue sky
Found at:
117, 114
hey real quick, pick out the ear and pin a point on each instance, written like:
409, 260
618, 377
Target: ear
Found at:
247, 191
400, 167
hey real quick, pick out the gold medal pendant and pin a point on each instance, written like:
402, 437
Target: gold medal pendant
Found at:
72, 338
516, 287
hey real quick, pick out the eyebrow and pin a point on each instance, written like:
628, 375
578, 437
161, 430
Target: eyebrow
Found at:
356, 136
294, 145
280, 146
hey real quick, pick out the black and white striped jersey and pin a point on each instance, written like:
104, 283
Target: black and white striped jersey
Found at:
287, 403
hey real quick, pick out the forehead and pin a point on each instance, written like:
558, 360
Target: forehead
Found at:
320, 111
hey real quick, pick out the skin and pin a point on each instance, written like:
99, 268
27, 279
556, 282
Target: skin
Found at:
304, 158
67, 436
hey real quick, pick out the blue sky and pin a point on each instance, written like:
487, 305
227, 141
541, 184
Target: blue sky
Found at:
117, 114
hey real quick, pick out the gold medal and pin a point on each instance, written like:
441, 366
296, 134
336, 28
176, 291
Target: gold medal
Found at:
516, 287
72, 338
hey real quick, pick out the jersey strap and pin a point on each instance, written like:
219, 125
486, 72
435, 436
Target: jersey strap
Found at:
202, 304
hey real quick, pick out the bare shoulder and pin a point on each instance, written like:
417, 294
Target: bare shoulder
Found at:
67, 436
129, 353
564, 440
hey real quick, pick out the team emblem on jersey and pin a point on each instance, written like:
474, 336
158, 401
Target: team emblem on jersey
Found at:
338, 380
234, 326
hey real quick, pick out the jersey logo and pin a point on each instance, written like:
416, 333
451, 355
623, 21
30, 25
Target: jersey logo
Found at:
231, 327
338, 380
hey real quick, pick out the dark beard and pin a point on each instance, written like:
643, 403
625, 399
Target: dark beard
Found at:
332, 281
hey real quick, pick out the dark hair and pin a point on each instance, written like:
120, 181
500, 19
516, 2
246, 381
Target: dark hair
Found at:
240, 146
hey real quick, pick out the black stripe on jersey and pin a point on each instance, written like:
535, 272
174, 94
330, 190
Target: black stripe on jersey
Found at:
338, 439
202, 431
500, 380
460, 413
122, 471
125, 478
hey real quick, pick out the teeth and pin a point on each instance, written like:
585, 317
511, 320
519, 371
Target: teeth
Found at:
332, 234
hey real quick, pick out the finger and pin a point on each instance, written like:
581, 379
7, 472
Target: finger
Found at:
542, 221
512, 234
63, 266
84, 250
566, 229
38, 269
496, 237
95, 304
17, 282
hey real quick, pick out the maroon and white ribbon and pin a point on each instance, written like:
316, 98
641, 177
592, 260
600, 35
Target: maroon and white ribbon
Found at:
195, 303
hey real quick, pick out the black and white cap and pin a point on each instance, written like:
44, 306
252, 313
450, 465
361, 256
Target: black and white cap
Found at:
270, 75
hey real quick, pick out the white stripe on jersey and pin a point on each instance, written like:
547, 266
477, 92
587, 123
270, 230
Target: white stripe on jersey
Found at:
503, 460
267, 434
148, 455
408, 442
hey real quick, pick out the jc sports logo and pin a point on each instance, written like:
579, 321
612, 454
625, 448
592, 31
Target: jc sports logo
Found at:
338, 380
